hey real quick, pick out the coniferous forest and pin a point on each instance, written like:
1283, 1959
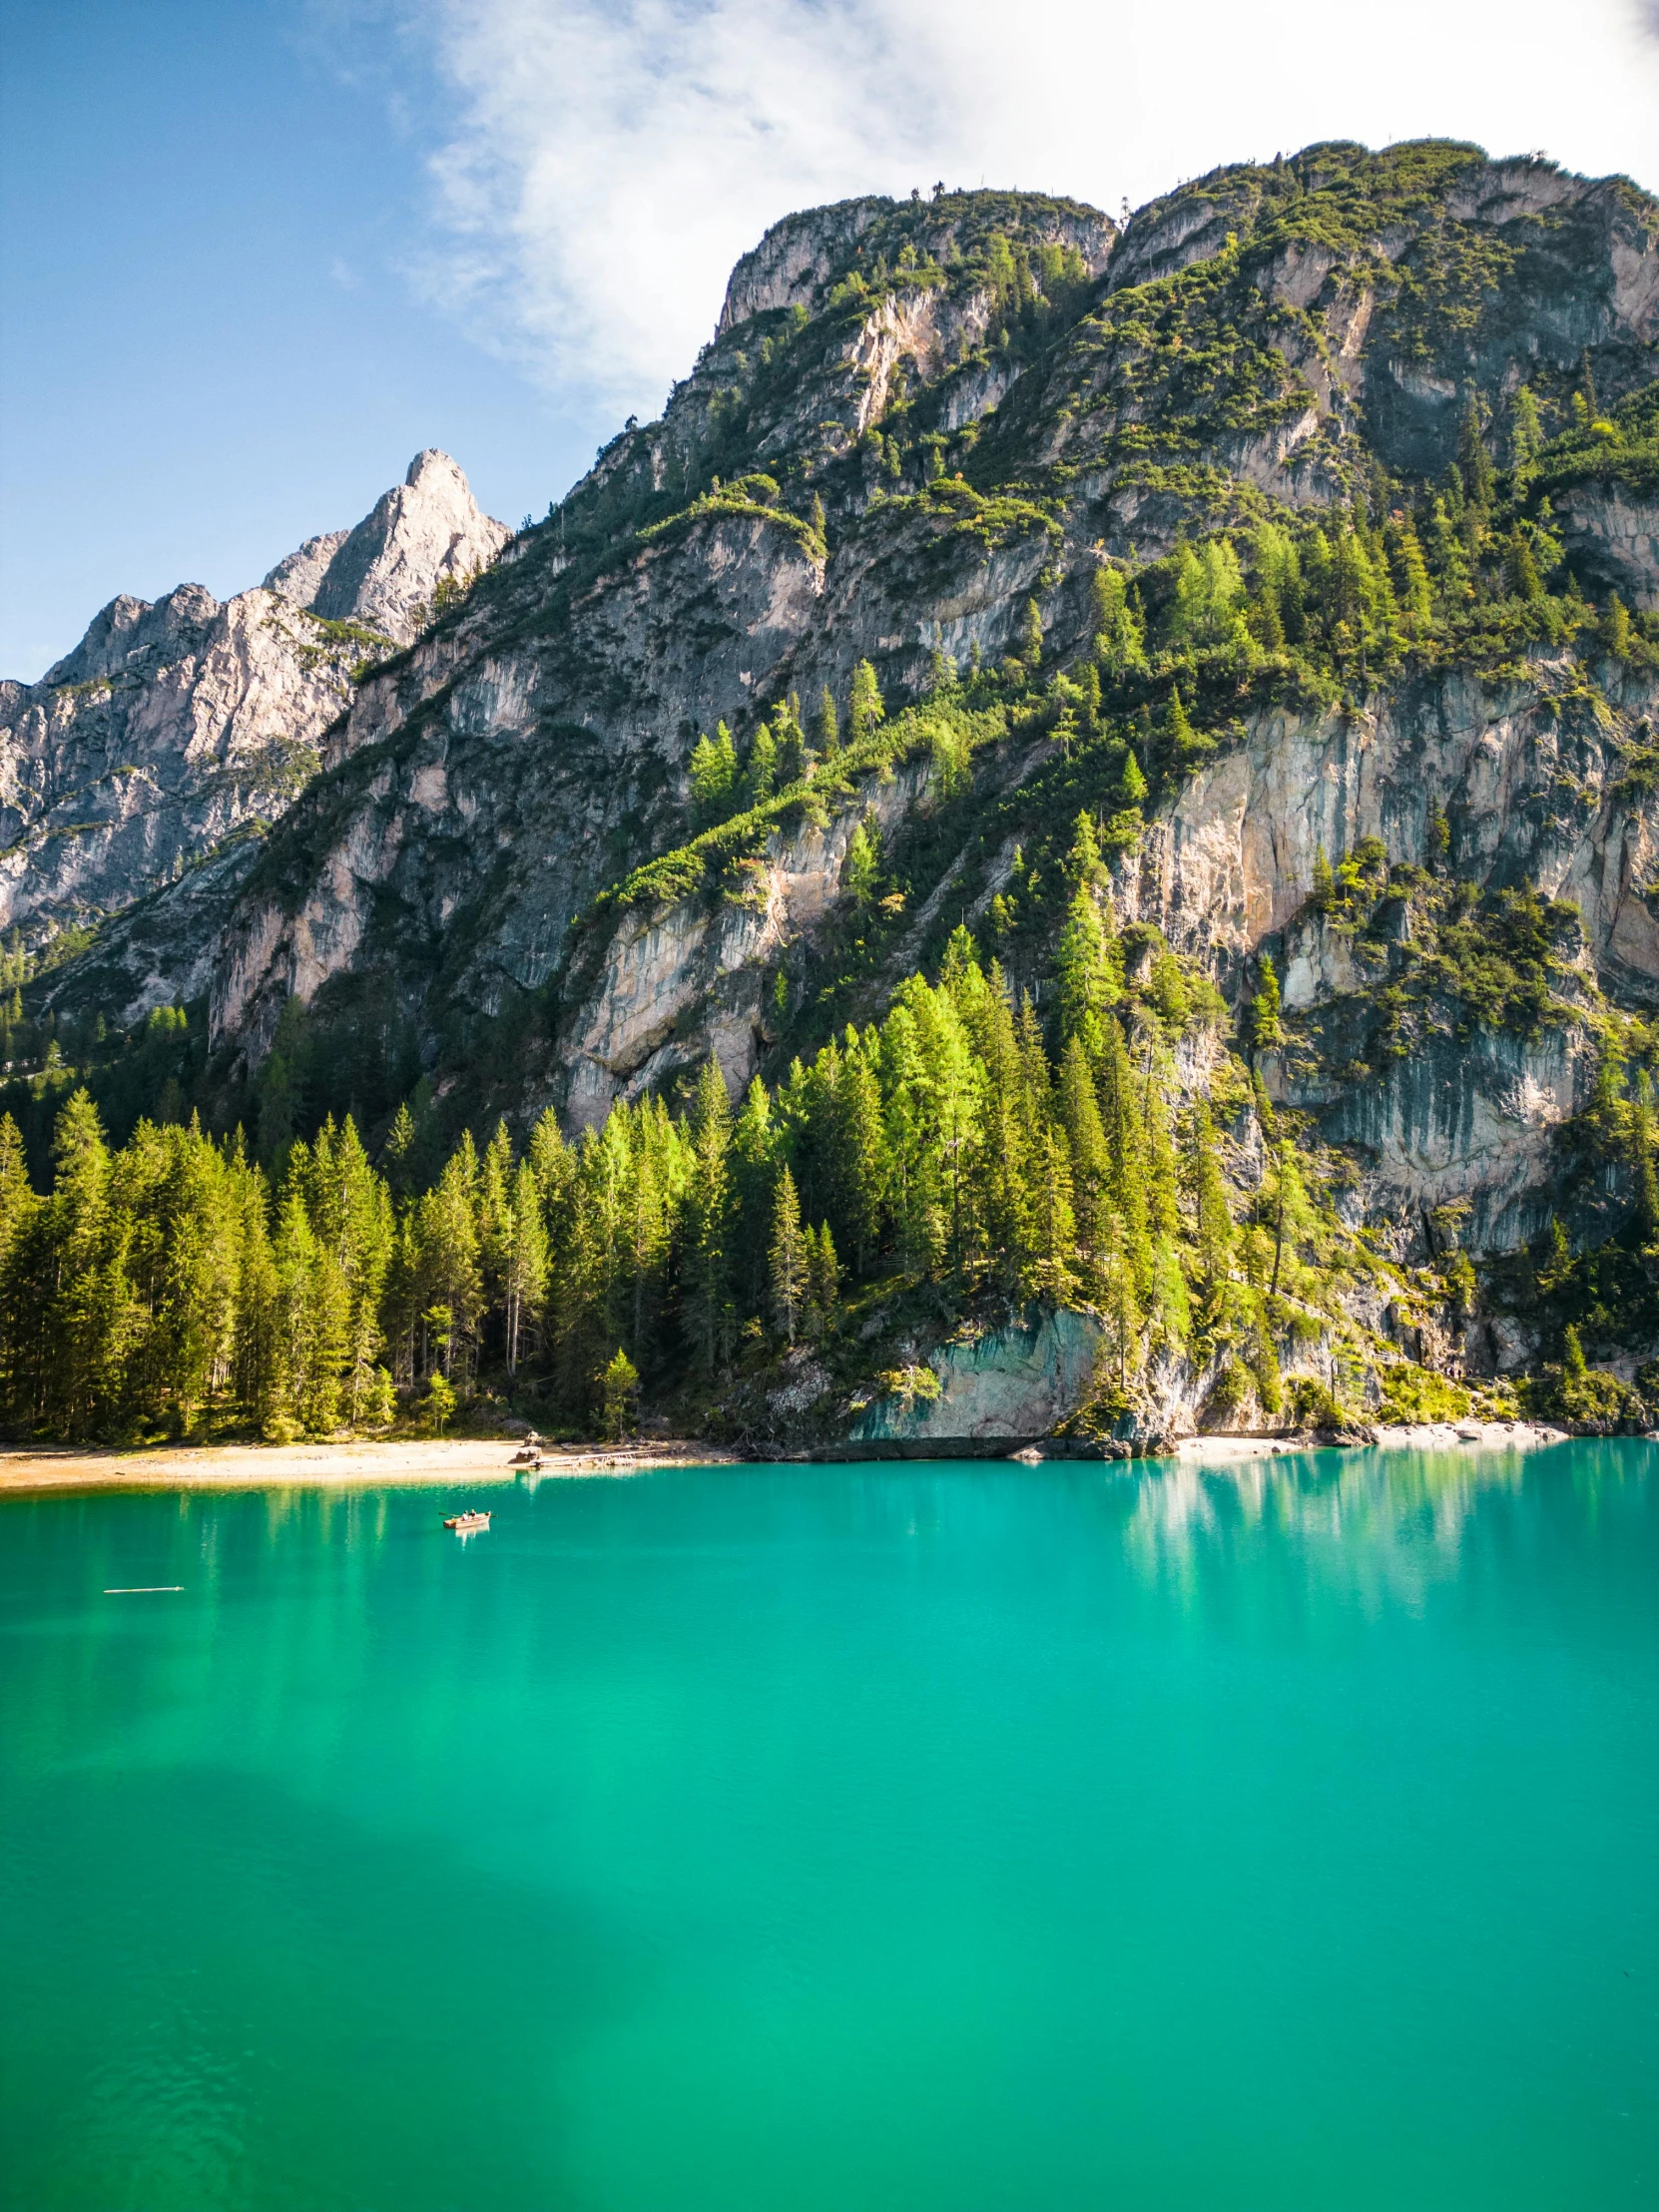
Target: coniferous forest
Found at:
171, 1286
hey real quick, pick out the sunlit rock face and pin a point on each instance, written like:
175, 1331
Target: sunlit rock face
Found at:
176, 732
425, 532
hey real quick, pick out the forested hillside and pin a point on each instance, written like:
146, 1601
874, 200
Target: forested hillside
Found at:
1072, 771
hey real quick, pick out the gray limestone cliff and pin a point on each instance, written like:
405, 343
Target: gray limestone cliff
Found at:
174, 732
425, 533
530, 750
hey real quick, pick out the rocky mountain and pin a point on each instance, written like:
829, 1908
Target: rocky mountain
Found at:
173, 733
1267, 340
424, 536
1268, 588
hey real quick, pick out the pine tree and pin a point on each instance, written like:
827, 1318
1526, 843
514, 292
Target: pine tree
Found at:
19, 1210
1415, 599
707, 1276
1475, 463
1081, 969
297, 1383
399, 1148
713, 774
859, 1169
1213, 1230
1079, 1114
1526, 438
1125, 1133
1181, 741
867, 708
1208, 611
1291, 1215
760, 775
788, 1259
1119, 635
524, 1266
86, 1313
1031, 637
1323, 896
619, 1386
1052, 1274
1265, 1026
1091, 682
446, 1240
439, 1406
1277, 586
822, 1284
828, 724
1171, 1309
351, 1212
1521, 567
862, 873
1615, 628
1587, 385
1641, 1160
1001, 1208
1119, 1305
1449, 558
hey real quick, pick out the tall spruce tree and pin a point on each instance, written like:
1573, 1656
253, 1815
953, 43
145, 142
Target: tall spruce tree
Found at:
787, 1256
707, 1270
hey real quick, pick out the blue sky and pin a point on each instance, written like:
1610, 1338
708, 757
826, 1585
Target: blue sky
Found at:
210, 344
255, 254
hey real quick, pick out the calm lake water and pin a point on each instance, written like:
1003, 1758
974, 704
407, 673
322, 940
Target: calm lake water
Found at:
841, 1839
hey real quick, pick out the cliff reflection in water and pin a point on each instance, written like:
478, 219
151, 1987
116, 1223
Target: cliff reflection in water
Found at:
1370, 1527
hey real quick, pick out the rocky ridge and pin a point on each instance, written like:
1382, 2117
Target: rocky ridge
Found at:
173, 733
919, 429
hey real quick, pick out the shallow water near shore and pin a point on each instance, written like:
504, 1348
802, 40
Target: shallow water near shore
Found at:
949, 1838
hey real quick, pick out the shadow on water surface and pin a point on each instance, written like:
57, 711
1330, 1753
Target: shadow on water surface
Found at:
389, 2039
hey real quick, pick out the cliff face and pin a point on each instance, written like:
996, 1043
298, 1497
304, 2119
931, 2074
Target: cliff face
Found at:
175, 730
913, 422
1266, 335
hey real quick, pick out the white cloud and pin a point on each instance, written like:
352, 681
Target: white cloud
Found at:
602, 166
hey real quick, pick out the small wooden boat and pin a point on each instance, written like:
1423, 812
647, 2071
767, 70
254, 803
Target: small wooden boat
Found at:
467, 1524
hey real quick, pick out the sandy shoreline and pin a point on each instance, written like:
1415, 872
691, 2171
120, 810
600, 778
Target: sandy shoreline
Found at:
471, 1459
270, 1467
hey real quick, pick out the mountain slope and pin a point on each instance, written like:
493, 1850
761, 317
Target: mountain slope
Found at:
1211, 667
535, 746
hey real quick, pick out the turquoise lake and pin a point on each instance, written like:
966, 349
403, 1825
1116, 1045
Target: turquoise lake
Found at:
939, 1839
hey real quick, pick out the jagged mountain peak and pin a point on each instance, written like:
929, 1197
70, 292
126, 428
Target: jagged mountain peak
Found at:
178, 729
299, 576
795, 258
426, 531
129, 631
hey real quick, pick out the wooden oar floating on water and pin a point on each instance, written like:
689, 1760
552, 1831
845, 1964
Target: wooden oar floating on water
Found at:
145, 1589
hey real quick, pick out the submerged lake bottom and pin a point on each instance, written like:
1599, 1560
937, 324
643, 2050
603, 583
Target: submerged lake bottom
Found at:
947, 1838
